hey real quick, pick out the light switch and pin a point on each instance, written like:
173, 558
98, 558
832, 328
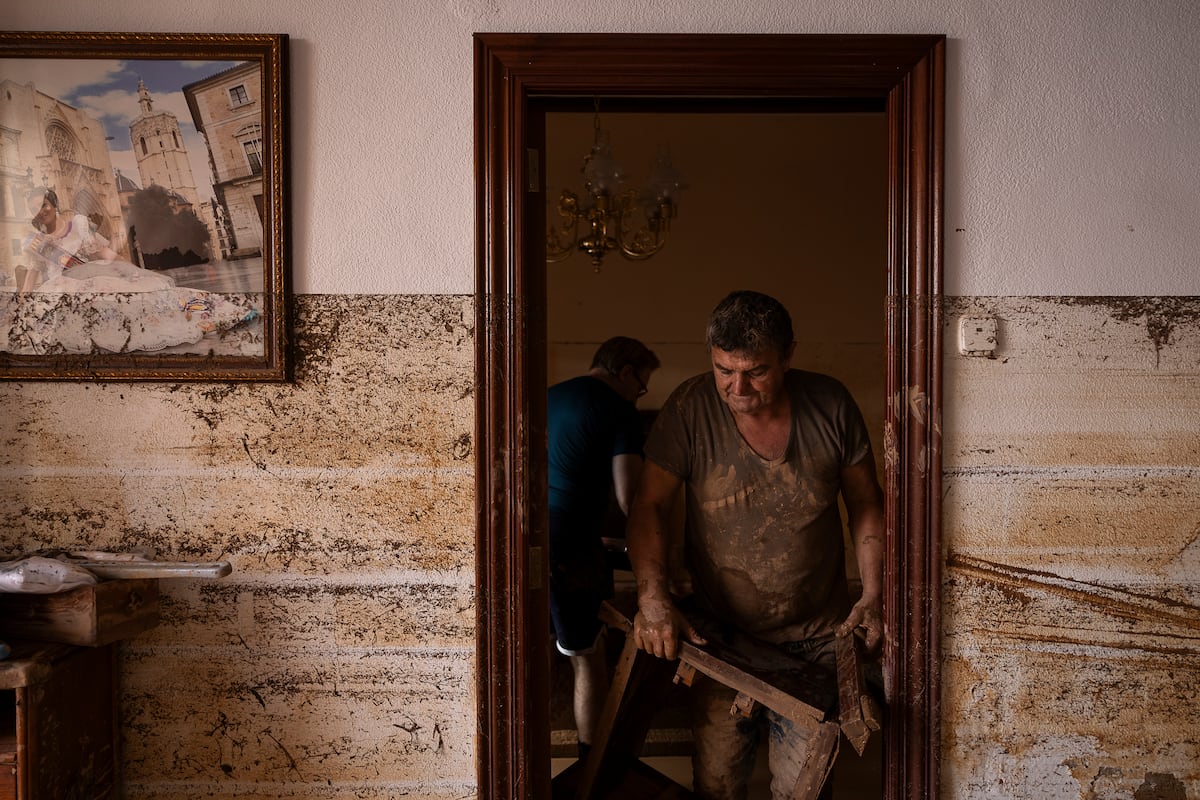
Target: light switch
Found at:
977, 336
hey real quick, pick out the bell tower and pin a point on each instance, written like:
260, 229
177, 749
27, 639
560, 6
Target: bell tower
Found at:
162, 156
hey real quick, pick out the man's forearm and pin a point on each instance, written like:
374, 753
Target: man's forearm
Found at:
864, 506
647, 541
869, 552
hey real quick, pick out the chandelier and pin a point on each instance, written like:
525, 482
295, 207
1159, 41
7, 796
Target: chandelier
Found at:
610, 217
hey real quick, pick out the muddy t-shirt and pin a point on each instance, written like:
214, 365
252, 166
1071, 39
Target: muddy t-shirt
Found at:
764, 538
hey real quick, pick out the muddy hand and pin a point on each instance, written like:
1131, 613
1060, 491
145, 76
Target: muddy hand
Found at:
657, 628
865, 619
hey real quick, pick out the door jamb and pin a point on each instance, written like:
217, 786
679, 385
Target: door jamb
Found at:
908, 74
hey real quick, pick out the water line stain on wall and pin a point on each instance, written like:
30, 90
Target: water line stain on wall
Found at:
1071, 610
1162, 315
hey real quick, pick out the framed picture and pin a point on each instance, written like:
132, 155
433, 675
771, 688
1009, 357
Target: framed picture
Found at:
143, 206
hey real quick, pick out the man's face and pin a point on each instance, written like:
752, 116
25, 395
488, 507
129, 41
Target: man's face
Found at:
632, 384
749, 382
45, 215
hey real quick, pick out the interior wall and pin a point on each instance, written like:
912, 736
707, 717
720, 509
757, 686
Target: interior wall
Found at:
338, 660
1071, 608
793, 205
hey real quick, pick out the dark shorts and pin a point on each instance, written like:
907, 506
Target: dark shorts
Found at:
580, 580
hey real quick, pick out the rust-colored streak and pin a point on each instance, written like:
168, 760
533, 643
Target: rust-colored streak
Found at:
1110, 600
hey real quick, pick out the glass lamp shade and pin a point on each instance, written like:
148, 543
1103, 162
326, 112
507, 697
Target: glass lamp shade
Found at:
602, 174
665, 181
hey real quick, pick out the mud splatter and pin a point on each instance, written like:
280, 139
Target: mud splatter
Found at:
1162, 314
1160, 786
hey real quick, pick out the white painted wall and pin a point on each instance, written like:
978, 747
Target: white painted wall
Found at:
1071, 127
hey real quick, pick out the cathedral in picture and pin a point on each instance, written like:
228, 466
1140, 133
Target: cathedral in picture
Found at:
45, 142
161, 218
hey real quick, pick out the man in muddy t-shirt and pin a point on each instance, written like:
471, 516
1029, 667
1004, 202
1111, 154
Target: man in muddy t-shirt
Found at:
764, 452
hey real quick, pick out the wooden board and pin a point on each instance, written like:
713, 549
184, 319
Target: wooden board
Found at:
87, 615
858, 713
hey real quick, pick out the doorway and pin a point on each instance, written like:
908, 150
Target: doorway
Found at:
786, 197
513, 73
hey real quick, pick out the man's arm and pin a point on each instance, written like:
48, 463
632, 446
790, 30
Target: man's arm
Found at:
864, 505
658, 624
627, 469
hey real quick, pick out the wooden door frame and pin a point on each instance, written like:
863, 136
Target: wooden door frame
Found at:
908, 74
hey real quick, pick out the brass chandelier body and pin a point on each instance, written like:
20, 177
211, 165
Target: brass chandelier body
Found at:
635, 224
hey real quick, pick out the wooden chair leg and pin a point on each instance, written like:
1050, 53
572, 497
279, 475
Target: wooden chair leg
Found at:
818, 762
638, 680
604, 728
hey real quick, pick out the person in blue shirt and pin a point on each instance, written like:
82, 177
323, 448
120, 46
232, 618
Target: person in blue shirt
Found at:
595, 439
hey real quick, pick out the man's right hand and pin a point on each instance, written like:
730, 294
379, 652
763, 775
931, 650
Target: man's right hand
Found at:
657, 627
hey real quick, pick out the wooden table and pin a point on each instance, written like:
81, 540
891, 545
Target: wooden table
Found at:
59, 711
58, 722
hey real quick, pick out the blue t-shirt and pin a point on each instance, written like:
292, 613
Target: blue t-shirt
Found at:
588, 424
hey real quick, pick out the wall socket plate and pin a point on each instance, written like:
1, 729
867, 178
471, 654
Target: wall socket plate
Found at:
977, 336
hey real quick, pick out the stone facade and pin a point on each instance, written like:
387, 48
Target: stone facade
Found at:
227, 109
45, 142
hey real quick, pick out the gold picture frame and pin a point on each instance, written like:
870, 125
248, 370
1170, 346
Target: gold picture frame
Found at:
144, 206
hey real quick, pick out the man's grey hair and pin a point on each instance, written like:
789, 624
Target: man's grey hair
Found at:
750, 322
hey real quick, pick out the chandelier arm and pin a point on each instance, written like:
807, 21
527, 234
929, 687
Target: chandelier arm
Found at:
648, 239
641, 252
561, 242
561, 239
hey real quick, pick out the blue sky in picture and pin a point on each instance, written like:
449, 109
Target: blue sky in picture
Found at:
107, 90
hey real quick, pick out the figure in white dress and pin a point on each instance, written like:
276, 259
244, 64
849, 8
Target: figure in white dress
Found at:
78, 296
74, 257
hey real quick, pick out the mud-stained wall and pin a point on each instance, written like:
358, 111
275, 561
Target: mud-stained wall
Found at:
1072, 535
337, 660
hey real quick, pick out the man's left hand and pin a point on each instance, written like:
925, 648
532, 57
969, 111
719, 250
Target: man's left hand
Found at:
867, 615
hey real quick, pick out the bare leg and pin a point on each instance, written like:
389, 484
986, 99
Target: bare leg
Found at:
591, 689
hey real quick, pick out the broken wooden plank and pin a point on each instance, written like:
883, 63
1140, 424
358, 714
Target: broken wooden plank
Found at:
773, 698
638, 681
858, 714
821, 735
819, 755
723, 672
